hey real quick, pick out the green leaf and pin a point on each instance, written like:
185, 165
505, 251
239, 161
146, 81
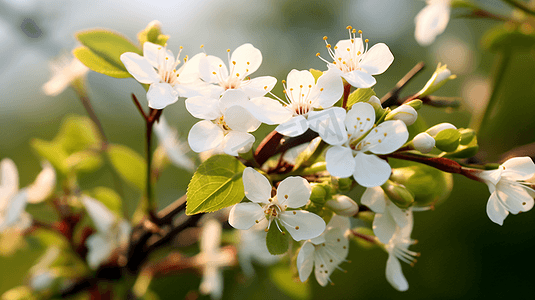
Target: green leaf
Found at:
504, 35
108, 197
216, 184
107, 44
53, 152
77, 133
448, 140
316, 73
359, 95
152, 33
84, 161
129, 165
99, 64
277, 242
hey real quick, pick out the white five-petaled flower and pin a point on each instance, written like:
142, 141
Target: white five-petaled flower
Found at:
213, 259
363, 140
325, 252
13, 202
355, 62
387, 215
66, 71
303, 96
508, 188
111, 232
226, 123
157, 67
174, 149
432, 21
244, 61
398, 249
293, 192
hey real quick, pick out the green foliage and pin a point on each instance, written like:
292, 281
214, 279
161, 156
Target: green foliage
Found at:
360, 95
73, 148
152, 33
108, 197
283, 279
129, 165
448, 140
102, 49
468, 146
277, 242
216, 184
398, 194
501, 37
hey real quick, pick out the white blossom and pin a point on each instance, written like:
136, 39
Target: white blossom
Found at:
66, 70
174, 149
253, 247
325, 252
510, 193
353, 61
432, 21
398, 249
293, 192
362, 137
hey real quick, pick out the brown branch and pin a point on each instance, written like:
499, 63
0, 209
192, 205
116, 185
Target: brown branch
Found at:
392, 97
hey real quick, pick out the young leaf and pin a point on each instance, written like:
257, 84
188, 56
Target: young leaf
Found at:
53, 152
448, 140
129, 165
109, 198
216, 184
99, 64
359, 95
277, 242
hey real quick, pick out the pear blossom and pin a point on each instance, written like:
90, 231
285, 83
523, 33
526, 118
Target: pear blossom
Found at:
13, 201
212, 259
387, 215
325, 252
226, 123
111, 232
253, 248
244, 61
157, 67
174, 149
432, 21
398, 249
510, 193
66, 70
353, 61
363, 140
293, 192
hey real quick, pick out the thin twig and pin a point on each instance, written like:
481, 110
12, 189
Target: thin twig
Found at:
139, 108
523, 7
392, 97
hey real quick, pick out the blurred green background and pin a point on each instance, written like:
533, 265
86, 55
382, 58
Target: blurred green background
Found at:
464, 254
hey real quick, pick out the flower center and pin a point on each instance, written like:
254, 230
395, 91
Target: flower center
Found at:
222, 124
348, 60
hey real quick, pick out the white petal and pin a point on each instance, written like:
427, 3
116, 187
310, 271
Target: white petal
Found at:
269, 111
44, 184
375, 199
433, 131
190, 69
360, 119
495, 210
384, 227
514, 197
102, 217
370, 170
237, 142
210, 236
203, 107
356, 45
239, 119
155, 54
329, 124
328, 90
430, 22
174, 149
359, 79
259, 86
339, 222
245, 215
256, 186
309, 225
233, 97
210, 64
140, 68
9, 181
15, 208
205, 135
296, 79
340, 161
294, 192
295, 126
518, 168
247, 59
160, 95
305, 261
212, 283
387, 137
394, 274
401, 217
377, 59
99, 250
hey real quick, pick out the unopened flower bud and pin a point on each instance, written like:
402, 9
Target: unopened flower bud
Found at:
433, 131
153, 33
423, 142
318, 194
343, 206
416, 104
344, 184
398, 194
376, 103
405, 113
439, 78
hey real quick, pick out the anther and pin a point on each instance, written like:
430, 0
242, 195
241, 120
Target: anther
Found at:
360, 31
325, 38
349, 27
366, 40
318, 54
296, 227
233, 62
202, 46
228, 50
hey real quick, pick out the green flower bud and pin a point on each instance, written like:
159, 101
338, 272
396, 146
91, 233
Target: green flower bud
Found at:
433, 131
398, 194
366, 216
153, 33
448, 140
344, 184
428, 185
342, 205
439, 78
319, 194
